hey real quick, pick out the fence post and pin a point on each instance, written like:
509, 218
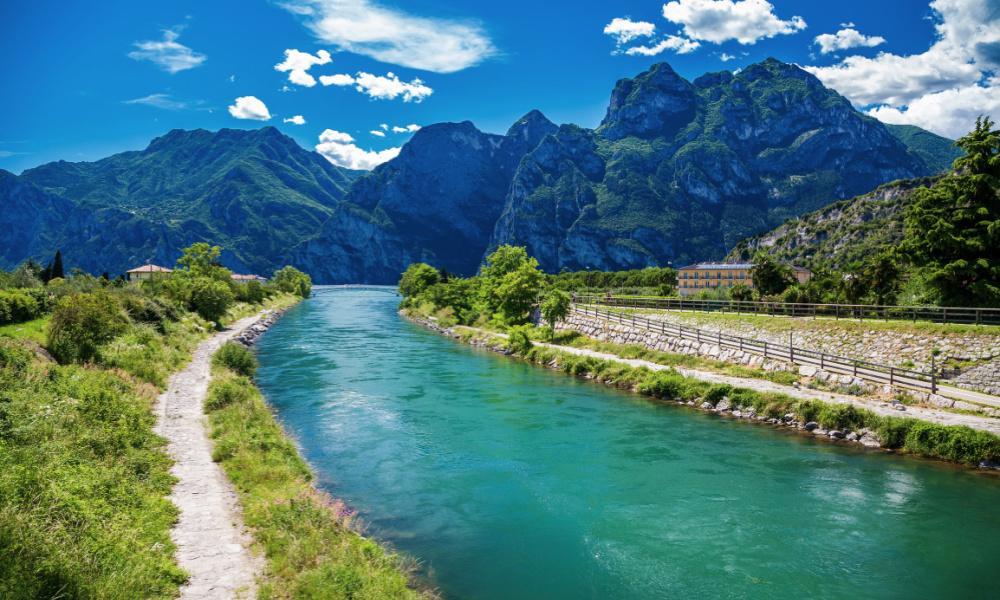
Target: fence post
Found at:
855, 367
892, 371
791, 348
765, 349
821, 360
933, 375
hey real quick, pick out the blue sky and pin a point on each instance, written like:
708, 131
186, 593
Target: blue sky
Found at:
85, 80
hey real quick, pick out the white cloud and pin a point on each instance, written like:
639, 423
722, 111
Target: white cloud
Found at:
297, 65
956, 67
384, 126
393, 36
671, 42
951, 113
169, 54
717, 21
846, 39
625, 30
164, 101
412, 127
296, 120
249, 107
339, 148
726, 57
377, 133
388, 87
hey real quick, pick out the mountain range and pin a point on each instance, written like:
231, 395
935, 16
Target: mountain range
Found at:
677, 171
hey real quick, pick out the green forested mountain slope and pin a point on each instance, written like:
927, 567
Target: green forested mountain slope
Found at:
937, 152
255, 192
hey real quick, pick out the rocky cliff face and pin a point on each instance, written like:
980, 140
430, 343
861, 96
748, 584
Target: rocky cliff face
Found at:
437, 202
681, 171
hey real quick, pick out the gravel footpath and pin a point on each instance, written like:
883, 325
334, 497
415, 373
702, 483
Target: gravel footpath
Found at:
212, 543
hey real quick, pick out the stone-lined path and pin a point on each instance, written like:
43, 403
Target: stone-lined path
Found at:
212, 544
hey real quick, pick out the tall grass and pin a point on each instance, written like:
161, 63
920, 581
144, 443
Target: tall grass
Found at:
311, 550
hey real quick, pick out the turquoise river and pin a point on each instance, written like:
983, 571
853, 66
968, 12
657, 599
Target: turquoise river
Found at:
509, 481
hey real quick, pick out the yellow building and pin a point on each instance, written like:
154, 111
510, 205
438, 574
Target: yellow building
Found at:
146, 272
695, 278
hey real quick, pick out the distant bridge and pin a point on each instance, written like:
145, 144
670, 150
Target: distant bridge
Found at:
365, 287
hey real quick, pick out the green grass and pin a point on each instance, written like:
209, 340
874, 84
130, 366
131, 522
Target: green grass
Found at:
310, 547
29, 330
83, 484
670, 359
782, 323
906, 435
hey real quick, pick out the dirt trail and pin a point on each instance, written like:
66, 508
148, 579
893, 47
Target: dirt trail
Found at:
212, 543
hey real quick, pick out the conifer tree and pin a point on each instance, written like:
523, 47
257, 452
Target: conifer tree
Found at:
953, 228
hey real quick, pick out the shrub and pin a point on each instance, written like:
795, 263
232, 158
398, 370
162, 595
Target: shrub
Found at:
236, 358
20, 305
211, 298
146, 309
840, 416
717, 392
251, 292
228, 391
519, 339
82, 323
293, 281
417, 278
662, 385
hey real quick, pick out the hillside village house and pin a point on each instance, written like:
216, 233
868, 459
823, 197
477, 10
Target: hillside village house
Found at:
146, 272
697, 277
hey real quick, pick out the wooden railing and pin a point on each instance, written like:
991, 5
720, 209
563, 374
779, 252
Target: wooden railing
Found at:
938, 314
831, 363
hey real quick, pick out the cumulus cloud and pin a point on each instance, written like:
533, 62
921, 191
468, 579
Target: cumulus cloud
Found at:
671, 42
724, 57
384, 126
388, 87
169, 54
393, 36
377, 133
297, 65
412, 127
339, 148
249, 107
845, 39
718, 21
919, 88
296, 120
625, 30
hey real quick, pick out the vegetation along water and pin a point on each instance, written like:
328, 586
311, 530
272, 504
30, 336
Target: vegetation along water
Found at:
510, 481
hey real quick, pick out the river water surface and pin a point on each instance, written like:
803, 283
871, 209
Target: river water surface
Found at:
509, 481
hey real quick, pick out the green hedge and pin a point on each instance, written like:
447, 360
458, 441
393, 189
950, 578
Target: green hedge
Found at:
19, 305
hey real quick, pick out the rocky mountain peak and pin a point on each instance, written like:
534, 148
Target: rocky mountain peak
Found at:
655, 103
532, 127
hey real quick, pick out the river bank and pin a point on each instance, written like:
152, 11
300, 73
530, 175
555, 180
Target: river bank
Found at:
838, 419
310, 543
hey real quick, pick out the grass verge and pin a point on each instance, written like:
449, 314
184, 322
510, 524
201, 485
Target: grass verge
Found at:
310, 548
946, 442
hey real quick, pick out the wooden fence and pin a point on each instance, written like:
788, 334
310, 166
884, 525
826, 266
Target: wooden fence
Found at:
938, 314
831, 363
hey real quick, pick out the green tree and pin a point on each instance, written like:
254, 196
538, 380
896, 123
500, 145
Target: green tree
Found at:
768, 275
293, 281
853, 287
510, 284
417, 278
211, 298
555, 306
952, 230
881, 275
202, 260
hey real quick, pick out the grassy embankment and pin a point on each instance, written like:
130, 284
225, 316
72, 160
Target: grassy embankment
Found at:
952, 443
83, 479
310, 547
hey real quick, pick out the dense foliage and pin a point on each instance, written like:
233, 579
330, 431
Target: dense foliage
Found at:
290, 280
658, 280
953, 229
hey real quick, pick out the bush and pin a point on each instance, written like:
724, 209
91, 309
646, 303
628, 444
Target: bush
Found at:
662, 385
251, 292
236, 358
146, 309
82, 323
211, 298
293, 281
417, 278
17, 306
519, 339
229, 391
